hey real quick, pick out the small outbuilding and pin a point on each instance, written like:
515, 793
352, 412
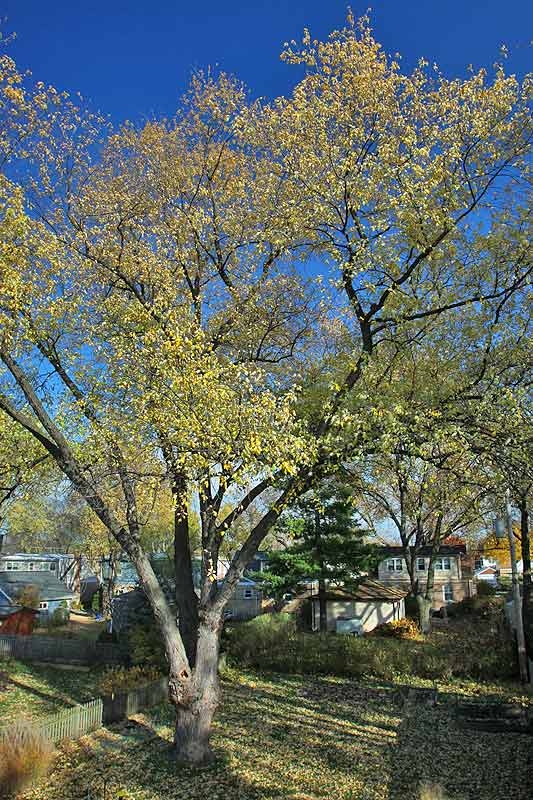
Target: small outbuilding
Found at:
20, 621
371, 604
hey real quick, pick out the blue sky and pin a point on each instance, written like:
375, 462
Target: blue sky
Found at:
133, 59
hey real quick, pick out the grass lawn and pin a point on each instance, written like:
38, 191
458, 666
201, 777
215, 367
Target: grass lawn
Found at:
300, 738
32, 690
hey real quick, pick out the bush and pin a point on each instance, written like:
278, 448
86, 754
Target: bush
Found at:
399, 629
58, 618
485, 589
478, 648
145, 646
261, 634
120, 679
25, 756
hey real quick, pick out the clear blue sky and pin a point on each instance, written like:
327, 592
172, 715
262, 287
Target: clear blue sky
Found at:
133, 59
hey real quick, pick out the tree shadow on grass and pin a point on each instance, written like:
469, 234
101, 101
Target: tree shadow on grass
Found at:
269, 746
434, 759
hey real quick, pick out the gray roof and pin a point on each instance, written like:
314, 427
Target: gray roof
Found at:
48, 586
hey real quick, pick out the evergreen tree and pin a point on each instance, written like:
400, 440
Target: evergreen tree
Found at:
327, 545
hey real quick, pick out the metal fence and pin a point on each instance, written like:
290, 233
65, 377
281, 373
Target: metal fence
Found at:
57, 649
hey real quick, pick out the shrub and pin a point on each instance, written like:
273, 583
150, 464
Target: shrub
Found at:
260, 635
25, 756
485, 589
476, 647
120, 679
399, 629
145, 646
58, 618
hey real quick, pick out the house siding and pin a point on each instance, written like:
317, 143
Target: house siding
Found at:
459, 586
370, 613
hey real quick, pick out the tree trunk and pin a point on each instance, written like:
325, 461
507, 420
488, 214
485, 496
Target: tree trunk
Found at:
196, 698
424, 608
527, 599
322, 606
186, 597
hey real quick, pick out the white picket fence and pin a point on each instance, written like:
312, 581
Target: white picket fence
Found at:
73, 722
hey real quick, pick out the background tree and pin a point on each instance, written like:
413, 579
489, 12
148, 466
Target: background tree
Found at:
327, 546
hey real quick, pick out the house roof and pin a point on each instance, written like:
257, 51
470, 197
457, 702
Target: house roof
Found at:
367, 591
444, 550
48, 586
485, 570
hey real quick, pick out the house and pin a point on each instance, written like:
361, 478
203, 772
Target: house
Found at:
486, 569
259, 563
51, 594
245, 603
361, 609
130, 607
453, 577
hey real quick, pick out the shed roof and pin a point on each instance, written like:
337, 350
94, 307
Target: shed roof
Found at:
48, 586
367, 591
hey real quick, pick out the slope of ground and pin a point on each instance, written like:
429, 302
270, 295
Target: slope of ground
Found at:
292, 738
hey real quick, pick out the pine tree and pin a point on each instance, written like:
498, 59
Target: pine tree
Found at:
327, 546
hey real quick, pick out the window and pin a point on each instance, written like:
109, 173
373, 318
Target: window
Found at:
13, 565
32, 566
394, 565
442, 563
52, 566
421, 564
43, 605
447, 592
247, 594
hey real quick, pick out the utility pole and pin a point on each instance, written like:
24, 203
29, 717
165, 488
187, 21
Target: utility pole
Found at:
517, 602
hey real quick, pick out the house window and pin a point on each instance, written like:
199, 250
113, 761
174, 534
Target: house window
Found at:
31, 566
247, 594
13, 565
52, 566
43, 605
447, 592
442, 563
421, 564
394, 565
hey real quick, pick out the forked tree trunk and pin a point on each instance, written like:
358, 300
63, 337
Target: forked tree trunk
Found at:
196, 698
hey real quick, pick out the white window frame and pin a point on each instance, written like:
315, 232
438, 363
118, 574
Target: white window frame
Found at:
43, 605
443, 563
392, 565
421, 560
447, 588
248, 594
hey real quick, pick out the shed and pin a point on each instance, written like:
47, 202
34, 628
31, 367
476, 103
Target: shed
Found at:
52, 593
372, 603
20, 621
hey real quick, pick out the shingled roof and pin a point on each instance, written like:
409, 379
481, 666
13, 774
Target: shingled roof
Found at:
47, 585
444, 550
368, 590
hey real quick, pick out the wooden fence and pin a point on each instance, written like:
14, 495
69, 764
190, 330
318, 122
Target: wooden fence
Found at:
72, 723
59, 650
